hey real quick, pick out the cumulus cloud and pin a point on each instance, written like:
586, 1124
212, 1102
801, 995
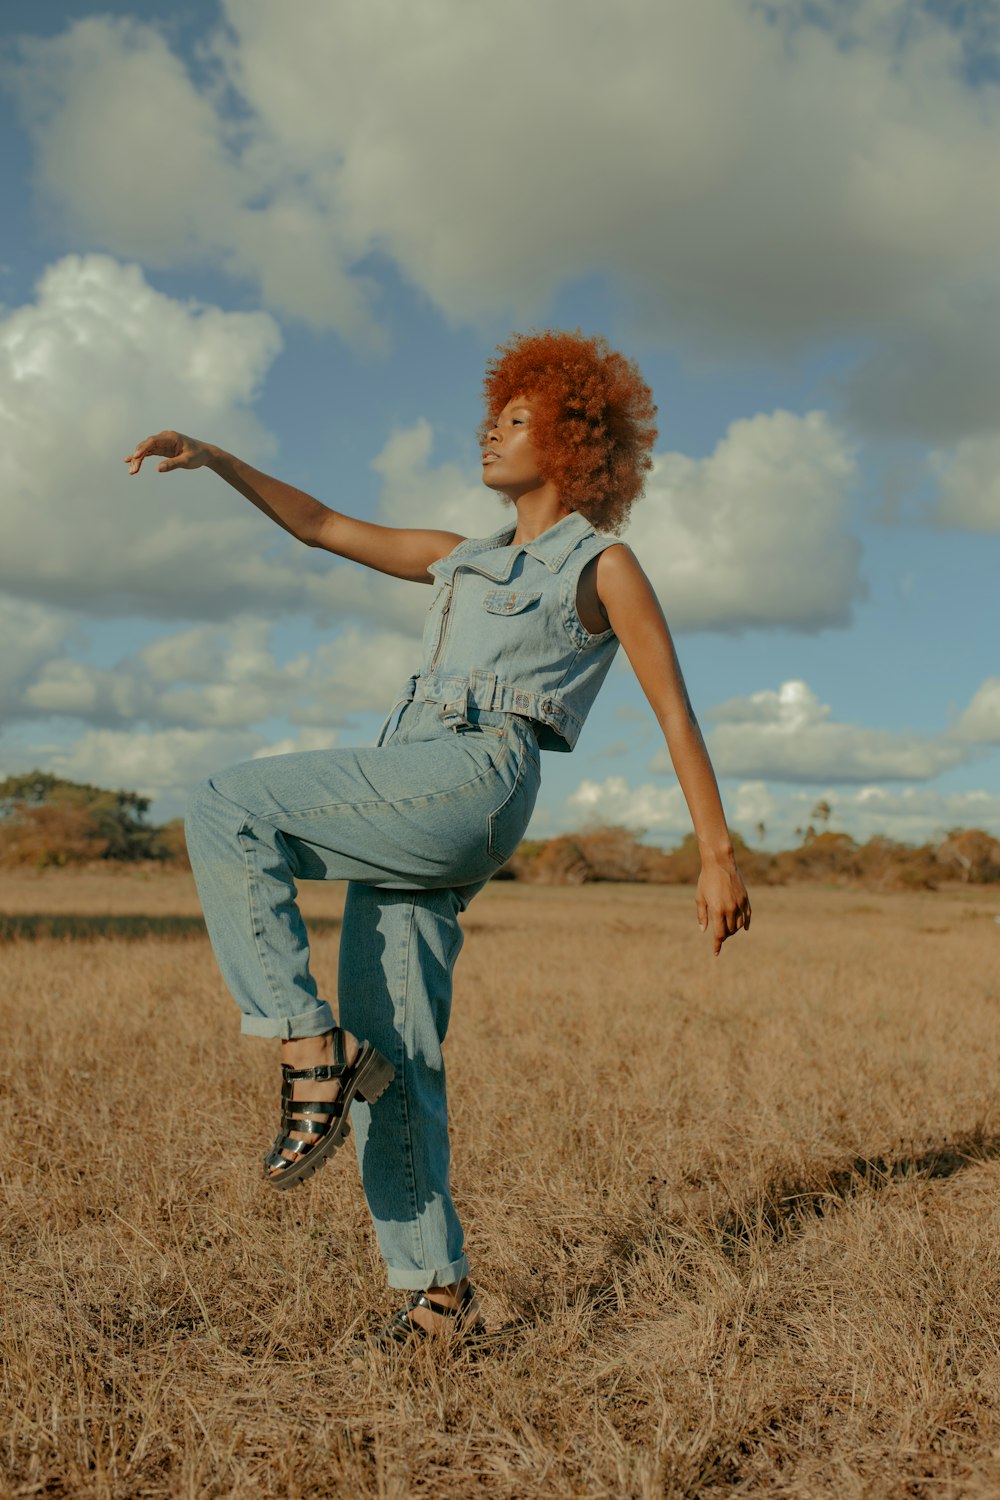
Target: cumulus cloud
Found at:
163, 766
91, 366
768, 174
912, 815
212, 678
359, 670
440, 496
31, 634
980, 723
615, 800
181, 185
756, 534
297, 744
657, 810
789, 735
968, 477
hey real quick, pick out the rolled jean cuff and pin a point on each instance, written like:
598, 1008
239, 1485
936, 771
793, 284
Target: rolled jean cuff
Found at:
312, 1022
410, 1280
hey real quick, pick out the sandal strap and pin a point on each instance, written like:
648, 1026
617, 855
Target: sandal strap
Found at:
292, 1107
323, 1072
314, 1128
401, 1329
436, 1307
275, 1158
401, 1326
317, 1128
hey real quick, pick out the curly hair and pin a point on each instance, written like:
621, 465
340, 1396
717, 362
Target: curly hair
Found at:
591, 418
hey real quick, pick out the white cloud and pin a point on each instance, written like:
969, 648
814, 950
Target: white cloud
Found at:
179, 185
968, 478
297, 744
751, 804
767, 174
789, 735
756, 534
360, 670
163, 766
30, 633
441, 496
200, 678
99, 360
980, 723
655, 809
913, 815
224, 678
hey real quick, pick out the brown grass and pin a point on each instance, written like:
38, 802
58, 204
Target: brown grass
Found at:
748, 1211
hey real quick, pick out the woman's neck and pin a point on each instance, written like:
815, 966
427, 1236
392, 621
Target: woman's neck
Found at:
537, 512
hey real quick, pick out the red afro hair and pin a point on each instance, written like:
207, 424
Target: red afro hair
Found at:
591, 418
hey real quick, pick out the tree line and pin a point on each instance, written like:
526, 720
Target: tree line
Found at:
48, 822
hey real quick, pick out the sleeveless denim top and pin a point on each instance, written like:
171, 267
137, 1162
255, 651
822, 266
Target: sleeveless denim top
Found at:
503, 633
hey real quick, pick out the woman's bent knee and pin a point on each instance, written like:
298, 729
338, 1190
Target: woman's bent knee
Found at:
201, 804
208, 813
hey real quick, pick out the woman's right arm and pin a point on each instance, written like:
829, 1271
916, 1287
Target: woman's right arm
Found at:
400, 551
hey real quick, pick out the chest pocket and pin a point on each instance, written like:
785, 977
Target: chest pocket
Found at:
509, 601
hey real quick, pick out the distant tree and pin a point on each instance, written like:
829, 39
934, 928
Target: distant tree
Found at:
171, 844
821, 812
116, 820
761, 831
972, 854
43, 835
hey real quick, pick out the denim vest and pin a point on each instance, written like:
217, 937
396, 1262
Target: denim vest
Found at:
503, 633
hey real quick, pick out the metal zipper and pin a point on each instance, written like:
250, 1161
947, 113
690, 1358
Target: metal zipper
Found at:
444, 625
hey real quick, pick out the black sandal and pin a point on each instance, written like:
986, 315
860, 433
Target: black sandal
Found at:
366, 1078
402, 1330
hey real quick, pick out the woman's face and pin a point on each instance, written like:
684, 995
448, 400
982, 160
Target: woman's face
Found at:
510, 462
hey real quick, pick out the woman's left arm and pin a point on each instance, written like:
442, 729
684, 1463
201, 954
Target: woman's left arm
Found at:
631, 608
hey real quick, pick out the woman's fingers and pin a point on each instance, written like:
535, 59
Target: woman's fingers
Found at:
166, 445
140, 451
720, 932
725, 922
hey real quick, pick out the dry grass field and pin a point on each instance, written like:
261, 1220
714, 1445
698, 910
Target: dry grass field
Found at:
744, 1214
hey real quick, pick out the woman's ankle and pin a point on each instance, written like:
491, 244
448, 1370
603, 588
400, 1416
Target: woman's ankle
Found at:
449, 1296
315, 1051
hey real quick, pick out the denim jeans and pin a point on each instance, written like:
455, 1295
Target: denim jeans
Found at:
417, 825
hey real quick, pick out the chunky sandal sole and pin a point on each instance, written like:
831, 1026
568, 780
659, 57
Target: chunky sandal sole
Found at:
367, 1079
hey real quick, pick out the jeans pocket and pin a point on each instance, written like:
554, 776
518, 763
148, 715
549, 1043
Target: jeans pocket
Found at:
509, 821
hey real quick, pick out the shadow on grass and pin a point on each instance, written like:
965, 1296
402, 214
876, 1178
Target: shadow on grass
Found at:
786, 1208
27, 926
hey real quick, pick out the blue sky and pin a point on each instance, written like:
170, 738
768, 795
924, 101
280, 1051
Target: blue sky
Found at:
299, 231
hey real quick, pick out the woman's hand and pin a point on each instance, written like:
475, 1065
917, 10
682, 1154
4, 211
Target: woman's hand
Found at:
176, 450
722, 902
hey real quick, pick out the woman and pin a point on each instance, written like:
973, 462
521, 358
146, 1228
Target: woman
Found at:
521, 631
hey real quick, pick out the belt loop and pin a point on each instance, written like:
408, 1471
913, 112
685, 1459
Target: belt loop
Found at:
455, 712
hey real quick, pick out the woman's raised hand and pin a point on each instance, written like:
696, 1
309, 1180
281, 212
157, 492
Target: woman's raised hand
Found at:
176, 450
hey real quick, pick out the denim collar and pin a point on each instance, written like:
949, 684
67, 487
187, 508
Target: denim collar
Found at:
551, 547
